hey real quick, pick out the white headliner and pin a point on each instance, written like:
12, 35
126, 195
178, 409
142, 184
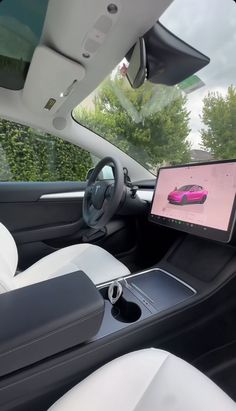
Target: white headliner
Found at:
67, 26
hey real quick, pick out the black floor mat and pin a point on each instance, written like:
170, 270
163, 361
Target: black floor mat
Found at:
220, 366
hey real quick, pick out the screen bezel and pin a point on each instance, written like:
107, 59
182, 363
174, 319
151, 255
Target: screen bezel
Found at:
195, 229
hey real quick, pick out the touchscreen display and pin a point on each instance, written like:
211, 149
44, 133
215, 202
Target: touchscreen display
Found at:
198, 198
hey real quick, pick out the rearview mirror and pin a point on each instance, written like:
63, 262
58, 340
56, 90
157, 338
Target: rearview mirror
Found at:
136, 72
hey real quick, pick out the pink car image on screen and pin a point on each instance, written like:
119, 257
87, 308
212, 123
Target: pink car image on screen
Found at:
189, 194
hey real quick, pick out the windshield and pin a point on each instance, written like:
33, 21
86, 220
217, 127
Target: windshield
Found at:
194, 121
185, 188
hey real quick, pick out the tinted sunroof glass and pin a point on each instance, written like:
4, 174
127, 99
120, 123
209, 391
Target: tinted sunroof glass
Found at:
21, 23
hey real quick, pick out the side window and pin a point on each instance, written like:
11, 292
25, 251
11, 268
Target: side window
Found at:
27, 154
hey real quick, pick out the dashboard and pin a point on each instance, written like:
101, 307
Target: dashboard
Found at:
198, 199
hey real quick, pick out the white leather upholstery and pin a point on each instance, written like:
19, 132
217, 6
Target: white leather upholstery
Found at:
97, 263
8, 259
146, 380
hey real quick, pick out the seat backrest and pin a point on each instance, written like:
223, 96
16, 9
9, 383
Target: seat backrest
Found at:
8, 259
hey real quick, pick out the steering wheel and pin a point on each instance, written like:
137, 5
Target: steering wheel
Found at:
102, 198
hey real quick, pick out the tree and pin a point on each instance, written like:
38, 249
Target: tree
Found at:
31, 155
219, 118
149, 124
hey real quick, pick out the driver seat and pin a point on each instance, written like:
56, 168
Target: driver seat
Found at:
96, 262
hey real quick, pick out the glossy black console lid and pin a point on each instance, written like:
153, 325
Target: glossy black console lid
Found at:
48, 317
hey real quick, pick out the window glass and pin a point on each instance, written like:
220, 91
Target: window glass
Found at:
27, 154
191, 122
21, 23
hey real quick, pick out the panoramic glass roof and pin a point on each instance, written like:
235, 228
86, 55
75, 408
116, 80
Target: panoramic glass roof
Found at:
192, 121
21, 23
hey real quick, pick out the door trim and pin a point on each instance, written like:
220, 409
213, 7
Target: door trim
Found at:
68, 195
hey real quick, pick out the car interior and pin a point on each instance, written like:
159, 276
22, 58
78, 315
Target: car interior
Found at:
118, 250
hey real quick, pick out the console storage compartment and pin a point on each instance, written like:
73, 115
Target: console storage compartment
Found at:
144, 294
159, 289
43, 319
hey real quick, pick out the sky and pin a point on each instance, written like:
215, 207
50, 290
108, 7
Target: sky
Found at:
210, 27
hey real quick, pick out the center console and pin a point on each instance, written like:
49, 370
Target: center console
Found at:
159, 307
144, 295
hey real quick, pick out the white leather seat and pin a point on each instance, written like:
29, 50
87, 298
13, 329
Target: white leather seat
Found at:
97, 263
146, 380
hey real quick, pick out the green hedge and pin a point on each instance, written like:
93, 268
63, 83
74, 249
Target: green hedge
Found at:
30, 155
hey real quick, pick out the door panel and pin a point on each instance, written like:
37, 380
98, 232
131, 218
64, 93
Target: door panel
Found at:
23, 209
34, 219
44, 217
41, 216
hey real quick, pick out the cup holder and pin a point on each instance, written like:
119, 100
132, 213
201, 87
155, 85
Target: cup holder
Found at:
126, 311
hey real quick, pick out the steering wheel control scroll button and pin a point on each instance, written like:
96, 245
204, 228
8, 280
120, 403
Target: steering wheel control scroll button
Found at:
115, 291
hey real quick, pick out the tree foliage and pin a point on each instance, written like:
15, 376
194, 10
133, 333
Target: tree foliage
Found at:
219, 118
150, 124
30, 155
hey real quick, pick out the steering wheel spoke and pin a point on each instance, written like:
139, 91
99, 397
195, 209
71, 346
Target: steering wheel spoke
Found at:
109, 192
105, 205
94, 215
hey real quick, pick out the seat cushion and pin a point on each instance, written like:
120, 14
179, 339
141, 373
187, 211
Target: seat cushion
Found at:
96, 262
146, 380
